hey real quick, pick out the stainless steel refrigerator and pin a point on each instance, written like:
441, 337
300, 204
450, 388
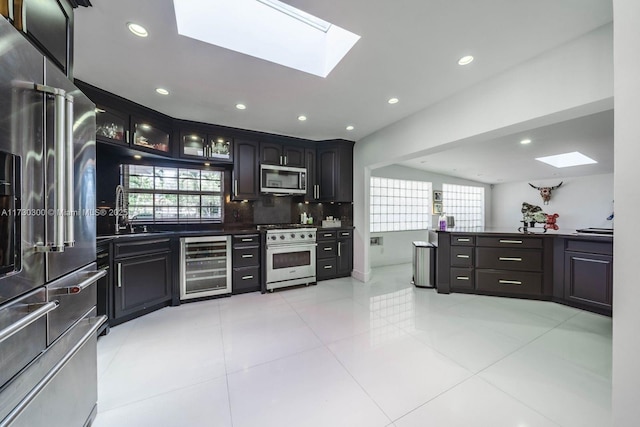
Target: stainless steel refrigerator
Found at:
48, 321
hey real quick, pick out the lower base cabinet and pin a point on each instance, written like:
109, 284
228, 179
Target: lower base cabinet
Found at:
334, 254
588, 279
246, 263
143, 278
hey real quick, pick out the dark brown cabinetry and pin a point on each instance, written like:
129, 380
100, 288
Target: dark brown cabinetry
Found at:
151, 136
334, 254
586, 270
281, 155
310, 164
334, 173
203, 146
494, 264
142, 277
245, 183
246, 263
112, 126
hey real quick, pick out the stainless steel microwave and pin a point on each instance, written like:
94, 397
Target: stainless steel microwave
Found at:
282, 180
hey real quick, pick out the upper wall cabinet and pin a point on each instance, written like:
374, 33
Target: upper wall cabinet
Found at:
112, 126
334, 171
246, 184
48, 24
150, 136
198, 145
281, 155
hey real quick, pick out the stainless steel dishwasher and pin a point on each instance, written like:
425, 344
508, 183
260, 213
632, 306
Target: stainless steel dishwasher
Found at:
205, 266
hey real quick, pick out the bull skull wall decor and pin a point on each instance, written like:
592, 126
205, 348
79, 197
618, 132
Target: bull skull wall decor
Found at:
545, 192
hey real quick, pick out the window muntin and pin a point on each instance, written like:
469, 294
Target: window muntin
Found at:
399, 205
168, 194
465, 203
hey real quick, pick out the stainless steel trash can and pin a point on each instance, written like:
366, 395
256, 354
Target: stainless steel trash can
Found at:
424, 265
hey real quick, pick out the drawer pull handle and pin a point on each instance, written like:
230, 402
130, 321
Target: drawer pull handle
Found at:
510, 282
462, 256
327, 235
247, 240
345, 233
464, 240
247, 256
247, 277
517, 242
328, 249
327, 267
506, 258
462, 278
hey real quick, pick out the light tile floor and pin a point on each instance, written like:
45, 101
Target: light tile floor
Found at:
346, 353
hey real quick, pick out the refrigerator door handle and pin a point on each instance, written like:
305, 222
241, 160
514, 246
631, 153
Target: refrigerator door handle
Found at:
59, 145
16, 327
69, 213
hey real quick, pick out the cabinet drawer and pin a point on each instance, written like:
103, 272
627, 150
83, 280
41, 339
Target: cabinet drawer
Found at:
326, 235
462, 240
462, 278
326, 268
462, 256
512, 259
246, 257
246, 239
605, 248
326, 250
510, 242
344, 234
513, 282
141, 247
245, 280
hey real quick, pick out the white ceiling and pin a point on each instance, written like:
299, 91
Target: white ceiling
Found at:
409, 50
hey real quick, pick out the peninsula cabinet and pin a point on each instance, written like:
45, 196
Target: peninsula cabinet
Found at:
584, 272
246, 171
568, 269
143, 277
281, 155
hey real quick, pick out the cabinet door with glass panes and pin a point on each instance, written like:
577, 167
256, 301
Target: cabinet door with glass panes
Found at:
196, 145
151, 136
112, 126
173, 195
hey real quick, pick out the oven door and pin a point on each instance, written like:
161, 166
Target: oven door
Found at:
291, 262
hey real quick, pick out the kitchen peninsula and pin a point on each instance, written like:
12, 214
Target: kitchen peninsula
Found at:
569, 268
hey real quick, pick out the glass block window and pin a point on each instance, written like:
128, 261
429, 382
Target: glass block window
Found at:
398, 205
166, 194
465, 203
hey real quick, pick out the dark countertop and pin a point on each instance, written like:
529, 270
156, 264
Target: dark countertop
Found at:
225, 230
532, 232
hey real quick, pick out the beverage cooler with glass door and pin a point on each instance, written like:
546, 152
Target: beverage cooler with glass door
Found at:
205, 266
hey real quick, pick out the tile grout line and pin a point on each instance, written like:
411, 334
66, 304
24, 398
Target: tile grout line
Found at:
224, 359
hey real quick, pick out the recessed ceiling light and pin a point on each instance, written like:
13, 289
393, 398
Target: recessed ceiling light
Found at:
302, 118
350, 127
162, 91
567, 159
393, 101
137, 29
465, 60
241, 106
525, 141
137, 156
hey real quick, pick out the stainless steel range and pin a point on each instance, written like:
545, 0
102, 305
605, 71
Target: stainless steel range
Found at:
290, 256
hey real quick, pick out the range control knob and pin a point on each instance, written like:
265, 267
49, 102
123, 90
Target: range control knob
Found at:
311, 236
293, 235
302, 236
273, 237
282, 237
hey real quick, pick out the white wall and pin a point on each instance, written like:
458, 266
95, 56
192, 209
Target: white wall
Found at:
626, 292
581, 202
397, 246
570, 81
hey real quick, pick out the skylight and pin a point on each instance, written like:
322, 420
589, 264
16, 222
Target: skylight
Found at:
567, 159
266, 29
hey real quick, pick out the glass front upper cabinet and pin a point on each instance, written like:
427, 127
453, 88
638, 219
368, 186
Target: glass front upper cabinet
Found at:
210, 147
111, 126
150, 137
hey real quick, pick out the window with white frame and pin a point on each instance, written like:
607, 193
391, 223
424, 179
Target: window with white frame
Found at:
398, 205
465, 203
169, 194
